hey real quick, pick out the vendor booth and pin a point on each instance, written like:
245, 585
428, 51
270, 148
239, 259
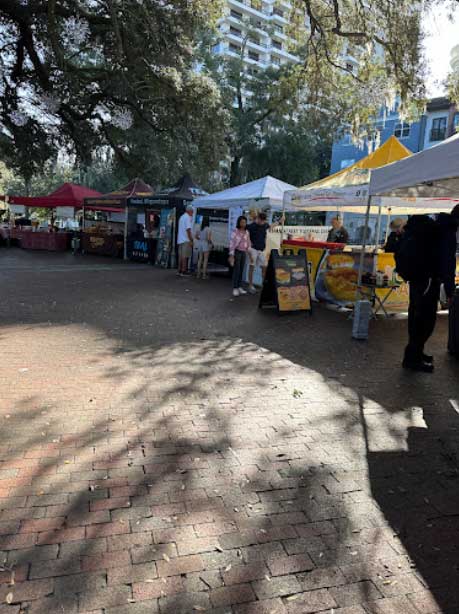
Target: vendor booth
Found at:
123, 223
55, 234
334, 269
223, 208
172, 202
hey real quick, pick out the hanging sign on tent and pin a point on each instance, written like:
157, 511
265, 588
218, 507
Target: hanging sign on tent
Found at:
286, 285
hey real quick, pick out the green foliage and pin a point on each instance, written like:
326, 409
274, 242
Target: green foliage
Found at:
79, 75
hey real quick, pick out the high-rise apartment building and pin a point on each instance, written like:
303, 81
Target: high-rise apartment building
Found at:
261, 28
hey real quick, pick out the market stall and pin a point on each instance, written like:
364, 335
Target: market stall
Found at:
55, 234
335, 271
116, 224
172, 202
223, 208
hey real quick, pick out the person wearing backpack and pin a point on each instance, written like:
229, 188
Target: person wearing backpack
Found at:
426, 258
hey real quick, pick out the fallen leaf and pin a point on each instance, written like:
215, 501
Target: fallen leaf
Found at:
228, 567
268, 578
166, 558
9, 598
218, 549
199, 608
292, 597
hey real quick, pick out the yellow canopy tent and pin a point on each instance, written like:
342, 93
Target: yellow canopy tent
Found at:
359, 173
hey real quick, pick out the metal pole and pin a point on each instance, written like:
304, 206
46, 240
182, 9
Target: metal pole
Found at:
125, 231
365, 234
388, 224
378, 229
283, 223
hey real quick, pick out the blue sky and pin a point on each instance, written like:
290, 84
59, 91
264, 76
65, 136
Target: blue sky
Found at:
442, 36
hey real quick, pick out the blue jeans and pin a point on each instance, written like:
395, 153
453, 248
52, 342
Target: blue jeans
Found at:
239, 266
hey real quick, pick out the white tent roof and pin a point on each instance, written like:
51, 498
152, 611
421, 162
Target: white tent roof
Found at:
267, 191
430, 177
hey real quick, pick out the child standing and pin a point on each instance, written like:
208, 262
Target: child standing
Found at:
239, 248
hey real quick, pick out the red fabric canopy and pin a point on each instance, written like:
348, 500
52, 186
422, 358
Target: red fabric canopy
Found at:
68, 195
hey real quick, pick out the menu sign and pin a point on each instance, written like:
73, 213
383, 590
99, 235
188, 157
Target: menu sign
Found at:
287, 283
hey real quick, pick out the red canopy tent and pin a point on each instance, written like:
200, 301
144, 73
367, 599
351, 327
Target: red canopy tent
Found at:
68, 195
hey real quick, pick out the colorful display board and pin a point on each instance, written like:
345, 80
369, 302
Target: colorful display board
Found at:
286, 285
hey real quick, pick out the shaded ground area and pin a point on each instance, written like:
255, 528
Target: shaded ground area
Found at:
165, 448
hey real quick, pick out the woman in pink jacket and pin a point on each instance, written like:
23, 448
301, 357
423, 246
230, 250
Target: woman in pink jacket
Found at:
239, 248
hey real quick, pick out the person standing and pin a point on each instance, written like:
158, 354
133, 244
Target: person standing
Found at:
433, 262
258, 231
395, 235
337, 233
239, 248
185, 240
204, 245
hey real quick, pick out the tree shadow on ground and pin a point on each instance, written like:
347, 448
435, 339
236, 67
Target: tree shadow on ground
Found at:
343, 473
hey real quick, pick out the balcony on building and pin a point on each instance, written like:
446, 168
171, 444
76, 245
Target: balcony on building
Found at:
248, 7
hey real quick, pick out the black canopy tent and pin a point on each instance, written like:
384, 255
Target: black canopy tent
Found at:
175, 199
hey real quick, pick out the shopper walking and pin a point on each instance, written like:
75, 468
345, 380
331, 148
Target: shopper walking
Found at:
239, 248
204, 246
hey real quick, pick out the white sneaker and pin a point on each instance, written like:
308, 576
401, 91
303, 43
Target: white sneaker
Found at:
235, 292
252, 290
242, 291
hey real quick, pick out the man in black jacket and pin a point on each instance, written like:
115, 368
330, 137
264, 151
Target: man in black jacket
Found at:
438, 267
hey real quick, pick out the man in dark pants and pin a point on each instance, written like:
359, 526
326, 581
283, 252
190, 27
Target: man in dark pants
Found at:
425, 293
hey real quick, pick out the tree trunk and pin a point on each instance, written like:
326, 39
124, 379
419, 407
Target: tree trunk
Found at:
235, 172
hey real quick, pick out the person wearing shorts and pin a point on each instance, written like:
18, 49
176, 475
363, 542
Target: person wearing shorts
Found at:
185, 240
204, 245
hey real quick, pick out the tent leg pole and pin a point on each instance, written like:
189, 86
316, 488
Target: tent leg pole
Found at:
283, 224
365, 234
125, 233
388, 224
378, 230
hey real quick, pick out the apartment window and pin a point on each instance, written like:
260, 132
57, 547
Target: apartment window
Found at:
235, 32
236, 14
438, 132
346, 163
256, 4
278, 29
277, 45
402, 130
255, 41
277, 11
275, 60
254, 56
234, 48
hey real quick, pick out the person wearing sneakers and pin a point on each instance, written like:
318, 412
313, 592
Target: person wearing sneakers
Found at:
258, 231
239, 248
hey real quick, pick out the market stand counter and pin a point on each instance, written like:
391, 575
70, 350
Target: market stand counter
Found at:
47, 241
103, 244
333, 273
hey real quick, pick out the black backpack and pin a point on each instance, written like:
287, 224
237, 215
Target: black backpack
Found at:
417, 253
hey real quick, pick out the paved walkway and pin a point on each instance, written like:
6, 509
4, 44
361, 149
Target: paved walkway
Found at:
167, 449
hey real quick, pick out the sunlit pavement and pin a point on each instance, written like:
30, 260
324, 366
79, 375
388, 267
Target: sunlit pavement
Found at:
165, 448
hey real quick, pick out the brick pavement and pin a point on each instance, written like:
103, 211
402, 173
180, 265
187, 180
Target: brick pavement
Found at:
166, 449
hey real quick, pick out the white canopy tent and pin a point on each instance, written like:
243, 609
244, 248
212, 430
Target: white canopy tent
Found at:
428, 180
265, 192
